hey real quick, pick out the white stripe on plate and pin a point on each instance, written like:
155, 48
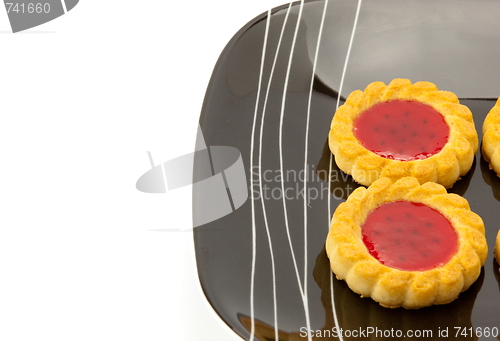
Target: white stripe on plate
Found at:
254, 239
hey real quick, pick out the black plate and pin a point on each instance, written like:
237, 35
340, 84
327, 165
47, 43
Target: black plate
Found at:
261, 270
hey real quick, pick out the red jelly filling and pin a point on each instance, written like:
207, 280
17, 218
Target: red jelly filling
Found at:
409, 236
402, 130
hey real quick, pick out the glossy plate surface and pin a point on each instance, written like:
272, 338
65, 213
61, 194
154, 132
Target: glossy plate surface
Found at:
263, 267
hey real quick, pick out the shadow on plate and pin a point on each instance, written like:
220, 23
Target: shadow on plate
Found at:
363, 318
490, 178
496, 271
461, 186
356, 313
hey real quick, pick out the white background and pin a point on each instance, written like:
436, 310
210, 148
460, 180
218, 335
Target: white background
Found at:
82, 100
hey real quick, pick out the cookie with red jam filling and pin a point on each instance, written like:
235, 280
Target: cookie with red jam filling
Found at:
405, 244
403, 129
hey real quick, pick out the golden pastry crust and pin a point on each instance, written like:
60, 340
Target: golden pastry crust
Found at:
497, 248
444, 167
351, 261
491, 138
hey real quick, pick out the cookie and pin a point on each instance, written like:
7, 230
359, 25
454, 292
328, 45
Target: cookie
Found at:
403, 129
491, 138
405, 244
